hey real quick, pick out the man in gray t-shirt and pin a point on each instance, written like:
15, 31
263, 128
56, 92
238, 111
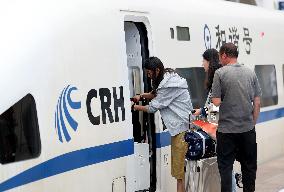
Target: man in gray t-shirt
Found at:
236, 89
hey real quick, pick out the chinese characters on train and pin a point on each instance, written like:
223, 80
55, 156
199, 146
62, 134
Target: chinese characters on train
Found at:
233, 37
232, 34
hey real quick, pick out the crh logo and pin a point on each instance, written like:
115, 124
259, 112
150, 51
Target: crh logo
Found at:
62, 113
111, 100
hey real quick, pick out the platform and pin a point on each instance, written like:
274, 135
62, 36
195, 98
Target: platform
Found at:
270, 176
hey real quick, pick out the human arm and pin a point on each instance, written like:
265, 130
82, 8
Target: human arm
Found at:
256, 108
148, 95
256, 100
216, 90
197, 112
140, 108
137, 98
216, 101
163, 98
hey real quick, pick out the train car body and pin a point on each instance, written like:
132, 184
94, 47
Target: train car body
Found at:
69, 69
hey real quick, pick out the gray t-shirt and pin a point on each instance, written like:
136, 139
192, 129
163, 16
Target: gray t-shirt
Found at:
237, 86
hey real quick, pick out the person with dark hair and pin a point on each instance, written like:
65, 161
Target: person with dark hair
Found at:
236, 89
170, 96
211, 64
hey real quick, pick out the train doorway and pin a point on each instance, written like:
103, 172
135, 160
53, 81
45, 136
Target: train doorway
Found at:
137, 51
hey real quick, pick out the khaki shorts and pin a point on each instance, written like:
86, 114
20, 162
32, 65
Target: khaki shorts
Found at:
179, 148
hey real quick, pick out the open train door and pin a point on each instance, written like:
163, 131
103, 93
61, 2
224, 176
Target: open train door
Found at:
137, 51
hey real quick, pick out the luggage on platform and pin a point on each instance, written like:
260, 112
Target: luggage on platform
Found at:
200, 145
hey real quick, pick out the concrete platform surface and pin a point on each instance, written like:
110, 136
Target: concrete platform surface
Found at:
270, 176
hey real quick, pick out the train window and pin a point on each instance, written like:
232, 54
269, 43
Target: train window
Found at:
134, 81
266, 75
19, 132
172, 33
183, 34
195, 77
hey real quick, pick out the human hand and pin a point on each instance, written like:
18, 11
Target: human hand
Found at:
197, 112
136, 98
135, 107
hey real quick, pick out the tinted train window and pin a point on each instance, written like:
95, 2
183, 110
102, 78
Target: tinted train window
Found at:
172, 33
183, 34
195, 79
134, 80
266, 75
19, 132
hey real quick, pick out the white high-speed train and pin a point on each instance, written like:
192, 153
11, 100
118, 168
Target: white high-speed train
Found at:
69, 69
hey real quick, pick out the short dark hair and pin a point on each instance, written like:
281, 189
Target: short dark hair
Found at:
230, 50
